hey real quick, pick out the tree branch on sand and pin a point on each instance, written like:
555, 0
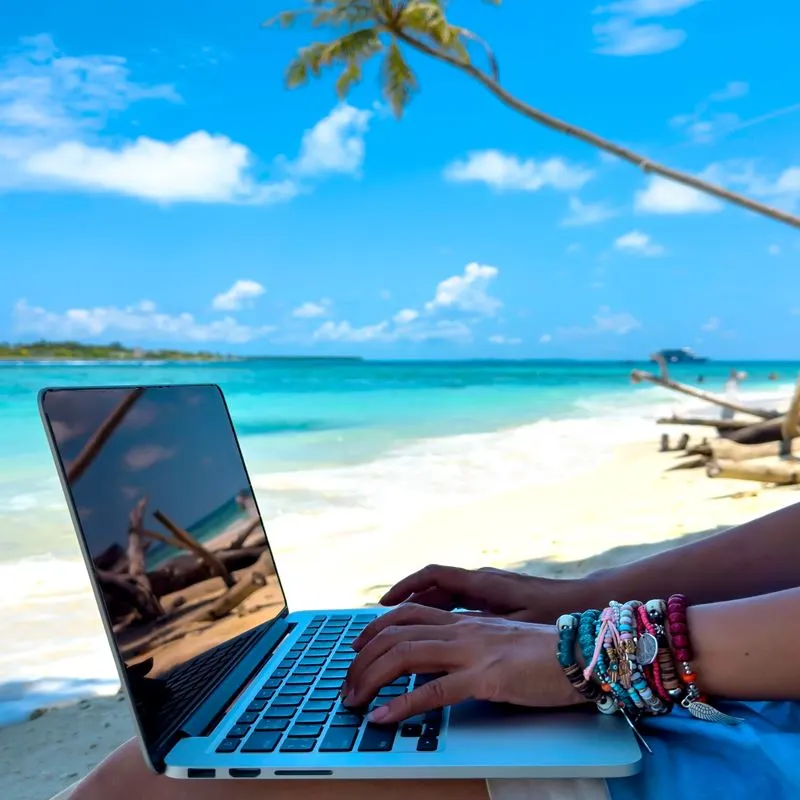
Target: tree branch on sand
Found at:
254, 579
365, 29
136, 560
100, 437
190, 543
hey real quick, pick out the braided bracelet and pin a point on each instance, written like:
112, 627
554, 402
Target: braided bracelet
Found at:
692, 699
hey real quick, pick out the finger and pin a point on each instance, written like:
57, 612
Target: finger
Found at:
404, 658
385, 641
406, 614
445, 691
449, 579
436, 598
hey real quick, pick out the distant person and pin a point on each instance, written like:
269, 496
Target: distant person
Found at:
732, 392
773, 376
701, 378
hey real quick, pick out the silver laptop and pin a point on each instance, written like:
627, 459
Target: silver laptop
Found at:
223, 680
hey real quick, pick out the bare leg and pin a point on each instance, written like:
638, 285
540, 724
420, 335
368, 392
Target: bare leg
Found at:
124, 776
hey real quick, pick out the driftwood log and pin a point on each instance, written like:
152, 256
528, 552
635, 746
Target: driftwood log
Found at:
215, 565
640, 376
254, 579
791, 421
726, 450
770, 430
125, 595
782, 473
100, 436
187, 570
719, 424
136, 549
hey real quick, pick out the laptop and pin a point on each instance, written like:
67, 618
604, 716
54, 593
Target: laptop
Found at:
223, 679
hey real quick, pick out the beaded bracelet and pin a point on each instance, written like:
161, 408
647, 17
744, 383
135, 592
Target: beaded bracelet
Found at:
629, 636
693, 700
665, 673
588, 632
567, 626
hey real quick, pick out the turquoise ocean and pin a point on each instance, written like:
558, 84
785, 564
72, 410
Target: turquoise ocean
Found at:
331, 447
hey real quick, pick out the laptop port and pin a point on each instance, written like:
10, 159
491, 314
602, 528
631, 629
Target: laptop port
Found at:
244, 773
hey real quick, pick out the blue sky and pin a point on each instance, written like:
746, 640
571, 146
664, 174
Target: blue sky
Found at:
159, 186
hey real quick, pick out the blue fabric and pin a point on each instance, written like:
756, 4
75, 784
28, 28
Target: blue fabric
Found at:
694, 760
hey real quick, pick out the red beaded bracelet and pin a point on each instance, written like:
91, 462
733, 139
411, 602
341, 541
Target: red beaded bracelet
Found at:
693, 700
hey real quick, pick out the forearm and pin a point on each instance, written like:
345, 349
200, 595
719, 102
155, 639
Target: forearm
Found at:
758, 557
748, 649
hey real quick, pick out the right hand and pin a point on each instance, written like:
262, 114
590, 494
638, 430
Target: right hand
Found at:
488, 591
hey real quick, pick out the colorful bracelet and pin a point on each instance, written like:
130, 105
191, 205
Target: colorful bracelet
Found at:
692, 699
567, 626
629, 634
586, 641
665, 673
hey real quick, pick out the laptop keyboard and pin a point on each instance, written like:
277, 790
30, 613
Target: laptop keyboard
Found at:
298, 709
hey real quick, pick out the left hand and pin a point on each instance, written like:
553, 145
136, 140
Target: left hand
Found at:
493, 659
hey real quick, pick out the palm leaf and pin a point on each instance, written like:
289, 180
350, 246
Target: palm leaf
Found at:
399, 82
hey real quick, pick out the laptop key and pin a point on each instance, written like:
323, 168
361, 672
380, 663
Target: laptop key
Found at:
294, 689
248, 718
279, 674
334, 674
403, 680
271, 684
265, 694
312, 662
306, 731
427, 744
261, 742
304, 669
318, 705
257, 705
339, 740
411, 730
324, 694
288, 700
344, 719
300, 680
391, 691
312, 718
279, 712
298, 745
377, 738
238, 731
228, 745
326, 684
267, 724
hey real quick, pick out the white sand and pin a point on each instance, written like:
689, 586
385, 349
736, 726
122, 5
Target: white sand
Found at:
628, 508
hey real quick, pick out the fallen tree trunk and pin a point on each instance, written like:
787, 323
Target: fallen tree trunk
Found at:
252, 581
99, 438
770, 430
640, 376
791, 421
784, 474
215, 565
124, 594
136, 559
187, 570
719, 424
726, 450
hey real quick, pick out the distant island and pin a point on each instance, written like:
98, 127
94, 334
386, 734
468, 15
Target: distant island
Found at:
76, 351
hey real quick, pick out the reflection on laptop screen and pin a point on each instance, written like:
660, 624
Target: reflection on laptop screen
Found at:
169, 521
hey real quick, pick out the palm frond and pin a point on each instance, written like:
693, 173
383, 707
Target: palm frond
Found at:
352, 48
399, 81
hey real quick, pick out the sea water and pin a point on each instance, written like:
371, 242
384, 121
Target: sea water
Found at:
332, 447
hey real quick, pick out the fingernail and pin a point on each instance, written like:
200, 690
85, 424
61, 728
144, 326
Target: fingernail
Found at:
379, 714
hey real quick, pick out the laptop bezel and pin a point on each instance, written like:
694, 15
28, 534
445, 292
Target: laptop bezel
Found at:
156, 758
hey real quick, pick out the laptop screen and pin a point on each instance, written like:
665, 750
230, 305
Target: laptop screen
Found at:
170, 526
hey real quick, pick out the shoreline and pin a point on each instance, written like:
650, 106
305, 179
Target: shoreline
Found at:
622, 509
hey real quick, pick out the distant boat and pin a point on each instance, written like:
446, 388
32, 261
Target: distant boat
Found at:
683, 355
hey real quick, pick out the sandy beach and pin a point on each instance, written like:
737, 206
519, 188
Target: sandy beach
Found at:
626, 508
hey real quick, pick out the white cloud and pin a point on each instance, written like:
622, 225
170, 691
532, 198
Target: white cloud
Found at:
335, 144
198, 168
467, 292
241, 294
504, 340
705, 123
605, 321
624, 33
145, 456
638, 243
54, 108
344, 331
782, 189
142, 320
774, 250
582, 214
509, 173
405, 316
711, 324
545, 338
661, 196
310, 310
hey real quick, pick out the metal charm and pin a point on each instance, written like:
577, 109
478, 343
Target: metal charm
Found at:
708, 713
646, 648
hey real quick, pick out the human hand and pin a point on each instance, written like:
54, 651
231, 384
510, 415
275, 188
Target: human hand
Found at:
482, 658
488, 590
